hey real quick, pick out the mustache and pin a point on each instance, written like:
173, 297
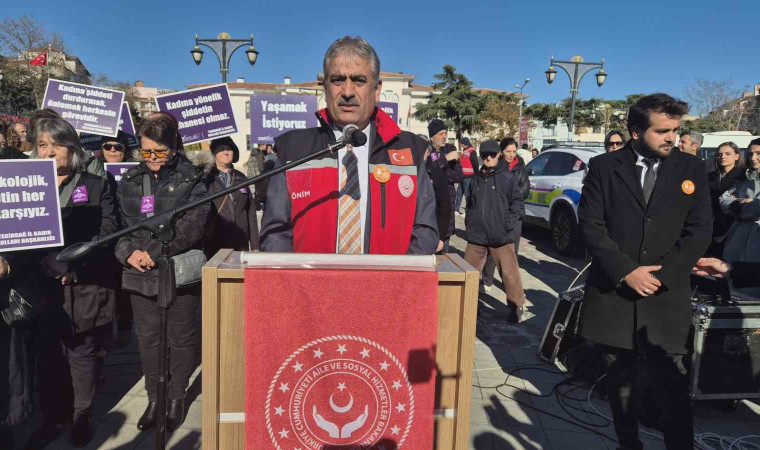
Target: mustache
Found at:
351, 102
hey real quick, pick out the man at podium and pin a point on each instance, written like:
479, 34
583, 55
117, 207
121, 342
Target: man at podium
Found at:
376, 198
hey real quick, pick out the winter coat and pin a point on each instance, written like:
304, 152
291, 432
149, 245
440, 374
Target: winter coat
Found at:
722, 221
454, 174
443, 211
518, 167
743, 238
178, 182
12, 153
493, 207
623, 231
234, 224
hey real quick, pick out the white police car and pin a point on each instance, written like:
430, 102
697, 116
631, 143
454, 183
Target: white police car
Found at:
556, 180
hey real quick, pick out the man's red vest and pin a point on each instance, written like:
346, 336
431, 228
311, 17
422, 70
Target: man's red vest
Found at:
391, 202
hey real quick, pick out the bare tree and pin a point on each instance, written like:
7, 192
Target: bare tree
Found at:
26, 35
720, 100
21, 40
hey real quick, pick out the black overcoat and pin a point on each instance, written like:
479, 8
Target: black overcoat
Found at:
234, 224
623, 232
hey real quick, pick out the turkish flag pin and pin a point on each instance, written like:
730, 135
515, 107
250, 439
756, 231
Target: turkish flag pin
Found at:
687, 187
381, 174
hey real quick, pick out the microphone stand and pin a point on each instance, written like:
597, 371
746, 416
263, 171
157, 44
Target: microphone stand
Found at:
162, 227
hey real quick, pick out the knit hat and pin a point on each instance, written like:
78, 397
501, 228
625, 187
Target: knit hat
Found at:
225, 143
466, 142
121, 137
435, 126
489, 147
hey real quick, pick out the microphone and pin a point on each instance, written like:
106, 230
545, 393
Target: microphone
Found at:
353, 136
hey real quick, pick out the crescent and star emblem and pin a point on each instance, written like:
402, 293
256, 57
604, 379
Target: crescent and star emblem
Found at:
341, 409
395, 157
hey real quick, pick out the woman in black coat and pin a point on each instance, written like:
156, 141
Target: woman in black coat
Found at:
235, 224
166, 179
729, 168
81, 308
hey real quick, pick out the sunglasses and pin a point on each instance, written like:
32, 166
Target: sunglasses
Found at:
117, 147
615, 144
145, 153
489, 155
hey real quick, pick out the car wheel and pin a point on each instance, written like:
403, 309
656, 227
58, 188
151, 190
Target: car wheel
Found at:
565, 231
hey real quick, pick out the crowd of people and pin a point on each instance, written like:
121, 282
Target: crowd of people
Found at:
397, 193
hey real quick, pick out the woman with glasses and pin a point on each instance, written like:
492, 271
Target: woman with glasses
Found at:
165, 179
729, 169
614, 140
115, 149
494, 207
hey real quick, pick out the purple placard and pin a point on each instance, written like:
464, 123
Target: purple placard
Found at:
30, 213
88, 109
119, 169
203, 113
92, 141
390, 108
273, 115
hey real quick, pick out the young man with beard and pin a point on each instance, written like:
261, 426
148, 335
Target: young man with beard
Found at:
646, 218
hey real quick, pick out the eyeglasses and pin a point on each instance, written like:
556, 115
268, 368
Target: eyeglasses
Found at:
160, 153
117, 147
490, 155
615, 144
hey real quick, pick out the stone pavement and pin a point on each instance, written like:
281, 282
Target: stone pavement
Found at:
520, 411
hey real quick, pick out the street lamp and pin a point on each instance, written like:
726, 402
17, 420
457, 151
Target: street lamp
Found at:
576, 68
223, 53
519, 105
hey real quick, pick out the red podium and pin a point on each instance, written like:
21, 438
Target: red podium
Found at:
223, 401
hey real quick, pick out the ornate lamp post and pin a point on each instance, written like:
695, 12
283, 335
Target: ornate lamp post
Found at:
519, 105
576, 68
224, 46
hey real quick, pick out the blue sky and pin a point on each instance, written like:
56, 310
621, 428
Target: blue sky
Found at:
652, 46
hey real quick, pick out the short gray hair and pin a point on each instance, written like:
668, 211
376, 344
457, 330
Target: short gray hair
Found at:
64, 134
696, 136
353, 46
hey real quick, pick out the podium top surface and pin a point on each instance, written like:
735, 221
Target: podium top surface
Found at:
227, 264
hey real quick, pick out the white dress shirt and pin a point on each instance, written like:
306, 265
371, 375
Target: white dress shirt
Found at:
362, 157
640, 163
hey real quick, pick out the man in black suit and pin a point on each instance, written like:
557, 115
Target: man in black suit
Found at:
646, 219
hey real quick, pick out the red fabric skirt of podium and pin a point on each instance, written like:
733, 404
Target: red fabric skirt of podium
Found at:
340, 359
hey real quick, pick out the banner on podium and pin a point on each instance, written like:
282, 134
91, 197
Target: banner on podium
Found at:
340, 358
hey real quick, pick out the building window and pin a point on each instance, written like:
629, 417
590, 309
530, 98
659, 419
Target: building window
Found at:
248, 141
248, 110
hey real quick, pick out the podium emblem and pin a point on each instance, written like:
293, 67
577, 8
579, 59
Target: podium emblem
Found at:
339, 391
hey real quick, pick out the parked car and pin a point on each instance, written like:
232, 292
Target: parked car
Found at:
556, 180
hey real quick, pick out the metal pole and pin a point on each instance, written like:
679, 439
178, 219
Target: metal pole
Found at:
225, 63
166, 295
574, 95
519, 120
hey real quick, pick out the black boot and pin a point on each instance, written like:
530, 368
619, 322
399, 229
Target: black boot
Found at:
148, 419
81, 431
176, 414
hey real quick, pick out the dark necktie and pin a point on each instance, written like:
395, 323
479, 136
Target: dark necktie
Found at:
649, 177
349, 212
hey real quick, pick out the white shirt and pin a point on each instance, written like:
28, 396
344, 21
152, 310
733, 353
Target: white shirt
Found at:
640, 163
362, 157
